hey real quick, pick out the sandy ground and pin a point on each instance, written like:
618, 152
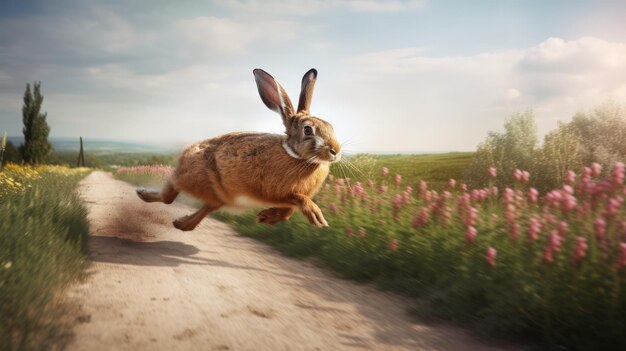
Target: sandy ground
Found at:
152, 287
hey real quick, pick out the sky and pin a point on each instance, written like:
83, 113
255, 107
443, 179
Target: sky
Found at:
393, 76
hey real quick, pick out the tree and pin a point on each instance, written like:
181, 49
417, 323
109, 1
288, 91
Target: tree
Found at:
36, 145
515, 148
562, 151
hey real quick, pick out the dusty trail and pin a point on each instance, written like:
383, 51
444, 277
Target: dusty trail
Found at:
153, 287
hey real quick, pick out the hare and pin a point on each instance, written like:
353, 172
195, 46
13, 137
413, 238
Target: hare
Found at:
245, 170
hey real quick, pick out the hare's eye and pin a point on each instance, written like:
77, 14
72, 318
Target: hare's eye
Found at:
308, 130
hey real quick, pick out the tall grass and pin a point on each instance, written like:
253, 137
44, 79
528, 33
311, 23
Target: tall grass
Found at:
43, 233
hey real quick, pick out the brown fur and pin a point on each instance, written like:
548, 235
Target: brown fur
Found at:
221, 170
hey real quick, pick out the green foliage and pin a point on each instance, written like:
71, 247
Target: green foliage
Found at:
514, 148
596, 136
11, 154
36, 146
601, 134
562, 151
43, 235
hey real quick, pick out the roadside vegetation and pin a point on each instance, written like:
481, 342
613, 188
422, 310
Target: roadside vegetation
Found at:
43, 234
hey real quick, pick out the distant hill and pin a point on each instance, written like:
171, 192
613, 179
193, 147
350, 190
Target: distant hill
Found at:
102, 146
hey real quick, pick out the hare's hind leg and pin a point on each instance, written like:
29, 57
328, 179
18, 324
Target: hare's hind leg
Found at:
189, 222
274, 215
166, 195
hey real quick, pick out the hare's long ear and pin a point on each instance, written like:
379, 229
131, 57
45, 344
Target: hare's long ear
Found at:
273, 95
306, 92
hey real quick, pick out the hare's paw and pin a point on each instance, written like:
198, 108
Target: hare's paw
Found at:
274, 215
183, 224
141, 192
313, 213
148, 195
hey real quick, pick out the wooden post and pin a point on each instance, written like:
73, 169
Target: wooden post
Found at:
81, 156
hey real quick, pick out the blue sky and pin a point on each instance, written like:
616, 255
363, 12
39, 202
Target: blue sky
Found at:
393, 75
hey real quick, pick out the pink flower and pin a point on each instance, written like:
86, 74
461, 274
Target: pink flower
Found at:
554, 244
338, 188
397, 179
382, 189
349, 231
421, 219
562, 227
397, 201
494, 191
492, 172
428, 196
470, 234
471, 217
491, 256
385, 171
618, 173
359, 190
599, 226
370, 183
596, 169
452, 183
331, 177
517, 175
525, 176
570, 177
507, 198
393, 245
533, 195
361, 231
568, 189
340, 181
423, 187
406, 197
580, 250
464, 187
534, 228
333, 208
568, 202
613, 206
515, 229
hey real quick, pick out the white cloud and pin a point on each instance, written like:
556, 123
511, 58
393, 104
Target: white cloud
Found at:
451, 102
384, 6
279, 7
309, 7
210, 36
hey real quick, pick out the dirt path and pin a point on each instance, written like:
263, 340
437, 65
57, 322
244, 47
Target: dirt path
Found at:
153, 287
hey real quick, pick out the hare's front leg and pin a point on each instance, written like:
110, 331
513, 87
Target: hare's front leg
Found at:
310, 210
187, 223
274, 215
166, 195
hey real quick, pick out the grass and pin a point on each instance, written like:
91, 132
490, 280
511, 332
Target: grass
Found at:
437, 169
43, 233
549, 269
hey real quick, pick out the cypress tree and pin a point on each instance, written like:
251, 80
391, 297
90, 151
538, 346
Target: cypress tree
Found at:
36, 145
